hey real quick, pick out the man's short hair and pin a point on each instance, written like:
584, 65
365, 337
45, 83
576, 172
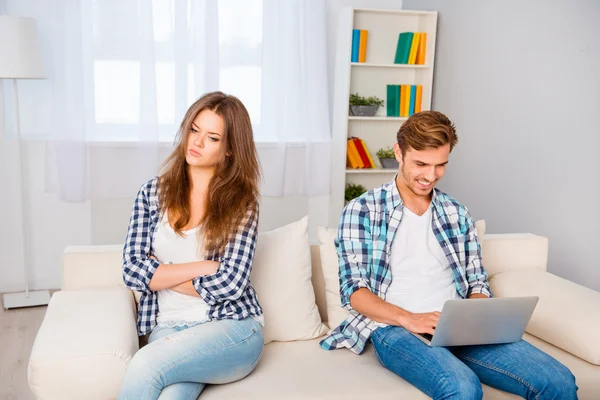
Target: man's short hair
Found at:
426, 129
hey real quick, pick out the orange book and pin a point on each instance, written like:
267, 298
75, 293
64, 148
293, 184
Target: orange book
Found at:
362, 46
350, 161
362, 152
368, 154
354, 156
412, 56
418, 98
421, 50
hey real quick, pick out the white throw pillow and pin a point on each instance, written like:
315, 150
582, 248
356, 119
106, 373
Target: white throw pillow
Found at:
281, 275
329, 263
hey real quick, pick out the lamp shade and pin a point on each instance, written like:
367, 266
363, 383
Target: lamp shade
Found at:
20, 50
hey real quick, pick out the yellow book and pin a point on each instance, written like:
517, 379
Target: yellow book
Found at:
412, 56
405, 100
368, 154
362, 46
418, 98
354, 156
421, 50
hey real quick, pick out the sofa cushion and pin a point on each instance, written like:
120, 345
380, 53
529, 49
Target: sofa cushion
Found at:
330, 266
586, 374
85, 341
329, 263
303, 370
281, 275
566, 315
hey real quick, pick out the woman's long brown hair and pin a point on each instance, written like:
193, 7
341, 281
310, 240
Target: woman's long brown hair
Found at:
232, 191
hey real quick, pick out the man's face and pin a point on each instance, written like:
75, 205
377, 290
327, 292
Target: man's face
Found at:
421, 170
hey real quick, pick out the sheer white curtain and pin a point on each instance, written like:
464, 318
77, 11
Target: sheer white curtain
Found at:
122, 73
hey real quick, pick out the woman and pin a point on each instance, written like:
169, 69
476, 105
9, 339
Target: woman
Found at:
189, 250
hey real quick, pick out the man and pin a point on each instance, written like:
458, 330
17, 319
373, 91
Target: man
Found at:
405, 248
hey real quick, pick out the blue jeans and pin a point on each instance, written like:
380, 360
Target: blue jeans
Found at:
457, 372
178, 362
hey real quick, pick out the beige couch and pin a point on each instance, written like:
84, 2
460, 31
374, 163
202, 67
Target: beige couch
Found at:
88, 335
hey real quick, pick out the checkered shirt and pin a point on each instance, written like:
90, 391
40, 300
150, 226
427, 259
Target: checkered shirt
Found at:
227, 292
365, 234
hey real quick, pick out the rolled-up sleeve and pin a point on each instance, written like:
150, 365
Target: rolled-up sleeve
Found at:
138, 267
477, 277
235, 265
354, 248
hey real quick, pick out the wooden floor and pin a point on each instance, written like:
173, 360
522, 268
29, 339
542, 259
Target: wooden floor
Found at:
18, 328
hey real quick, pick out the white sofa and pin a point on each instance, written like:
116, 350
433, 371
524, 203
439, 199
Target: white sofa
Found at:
89, 333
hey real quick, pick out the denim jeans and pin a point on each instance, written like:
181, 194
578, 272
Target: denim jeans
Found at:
457, 372
178, 362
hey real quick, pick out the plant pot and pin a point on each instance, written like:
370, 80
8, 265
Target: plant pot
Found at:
363, 111
389, 163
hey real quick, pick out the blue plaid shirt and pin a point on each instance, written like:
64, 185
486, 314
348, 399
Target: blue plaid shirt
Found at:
227, 292
365, 234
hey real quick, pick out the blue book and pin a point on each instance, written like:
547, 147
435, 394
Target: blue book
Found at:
355, 44
413, 96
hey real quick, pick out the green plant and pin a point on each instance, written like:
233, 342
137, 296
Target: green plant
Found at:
353, 190
388, 152
357, 100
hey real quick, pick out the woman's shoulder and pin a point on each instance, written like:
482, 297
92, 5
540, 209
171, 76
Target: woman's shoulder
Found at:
149, 191
150, 187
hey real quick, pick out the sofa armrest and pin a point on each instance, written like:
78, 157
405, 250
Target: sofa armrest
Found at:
88, 267
566, 315
514, 251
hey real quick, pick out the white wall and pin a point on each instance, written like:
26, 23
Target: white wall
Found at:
521, 81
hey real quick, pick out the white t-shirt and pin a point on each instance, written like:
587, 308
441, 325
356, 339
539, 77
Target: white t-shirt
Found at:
422, 279
176, 309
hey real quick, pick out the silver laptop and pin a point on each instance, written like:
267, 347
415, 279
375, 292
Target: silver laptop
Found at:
481, 321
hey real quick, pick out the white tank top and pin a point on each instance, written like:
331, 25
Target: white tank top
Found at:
176, 309
422, 279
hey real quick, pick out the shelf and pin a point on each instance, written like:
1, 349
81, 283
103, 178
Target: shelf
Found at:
353, 118
372, 171
421, 66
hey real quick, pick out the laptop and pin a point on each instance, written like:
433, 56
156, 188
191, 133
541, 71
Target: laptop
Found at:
481, 321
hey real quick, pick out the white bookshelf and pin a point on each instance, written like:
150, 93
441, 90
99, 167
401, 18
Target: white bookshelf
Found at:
371, 79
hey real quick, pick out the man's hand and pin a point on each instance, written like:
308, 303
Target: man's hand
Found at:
477, 296
421, 322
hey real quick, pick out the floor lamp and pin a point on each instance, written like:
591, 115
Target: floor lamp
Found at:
21, 58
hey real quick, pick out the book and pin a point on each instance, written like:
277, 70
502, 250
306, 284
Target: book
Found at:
355, 44
413, 95
403, 101
403, 47
392, 100
418, 96
354, 154
368, 154
351, 161
421, 51
414, 46
362, 47
362, 152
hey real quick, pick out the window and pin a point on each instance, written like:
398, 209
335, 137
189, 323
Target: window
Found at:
149, 65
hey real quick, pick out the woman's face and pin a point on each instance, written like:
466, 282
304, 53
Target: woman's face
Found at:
205, 140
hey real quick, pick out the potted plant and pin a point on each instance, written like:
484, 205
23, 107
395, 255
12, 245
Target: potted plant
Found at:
364, 106
353, 190
387, 158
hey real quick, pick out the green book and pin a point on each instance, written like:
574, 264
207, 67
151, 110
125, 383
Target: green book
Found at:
403, 49
392, 100
398, 91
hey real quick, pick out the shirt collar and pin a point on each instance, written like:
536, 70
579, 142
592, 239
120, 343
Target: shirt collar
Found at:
393, 196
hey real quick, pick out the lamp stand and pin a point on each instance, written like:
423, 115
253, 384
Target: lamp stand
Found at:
26, 298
